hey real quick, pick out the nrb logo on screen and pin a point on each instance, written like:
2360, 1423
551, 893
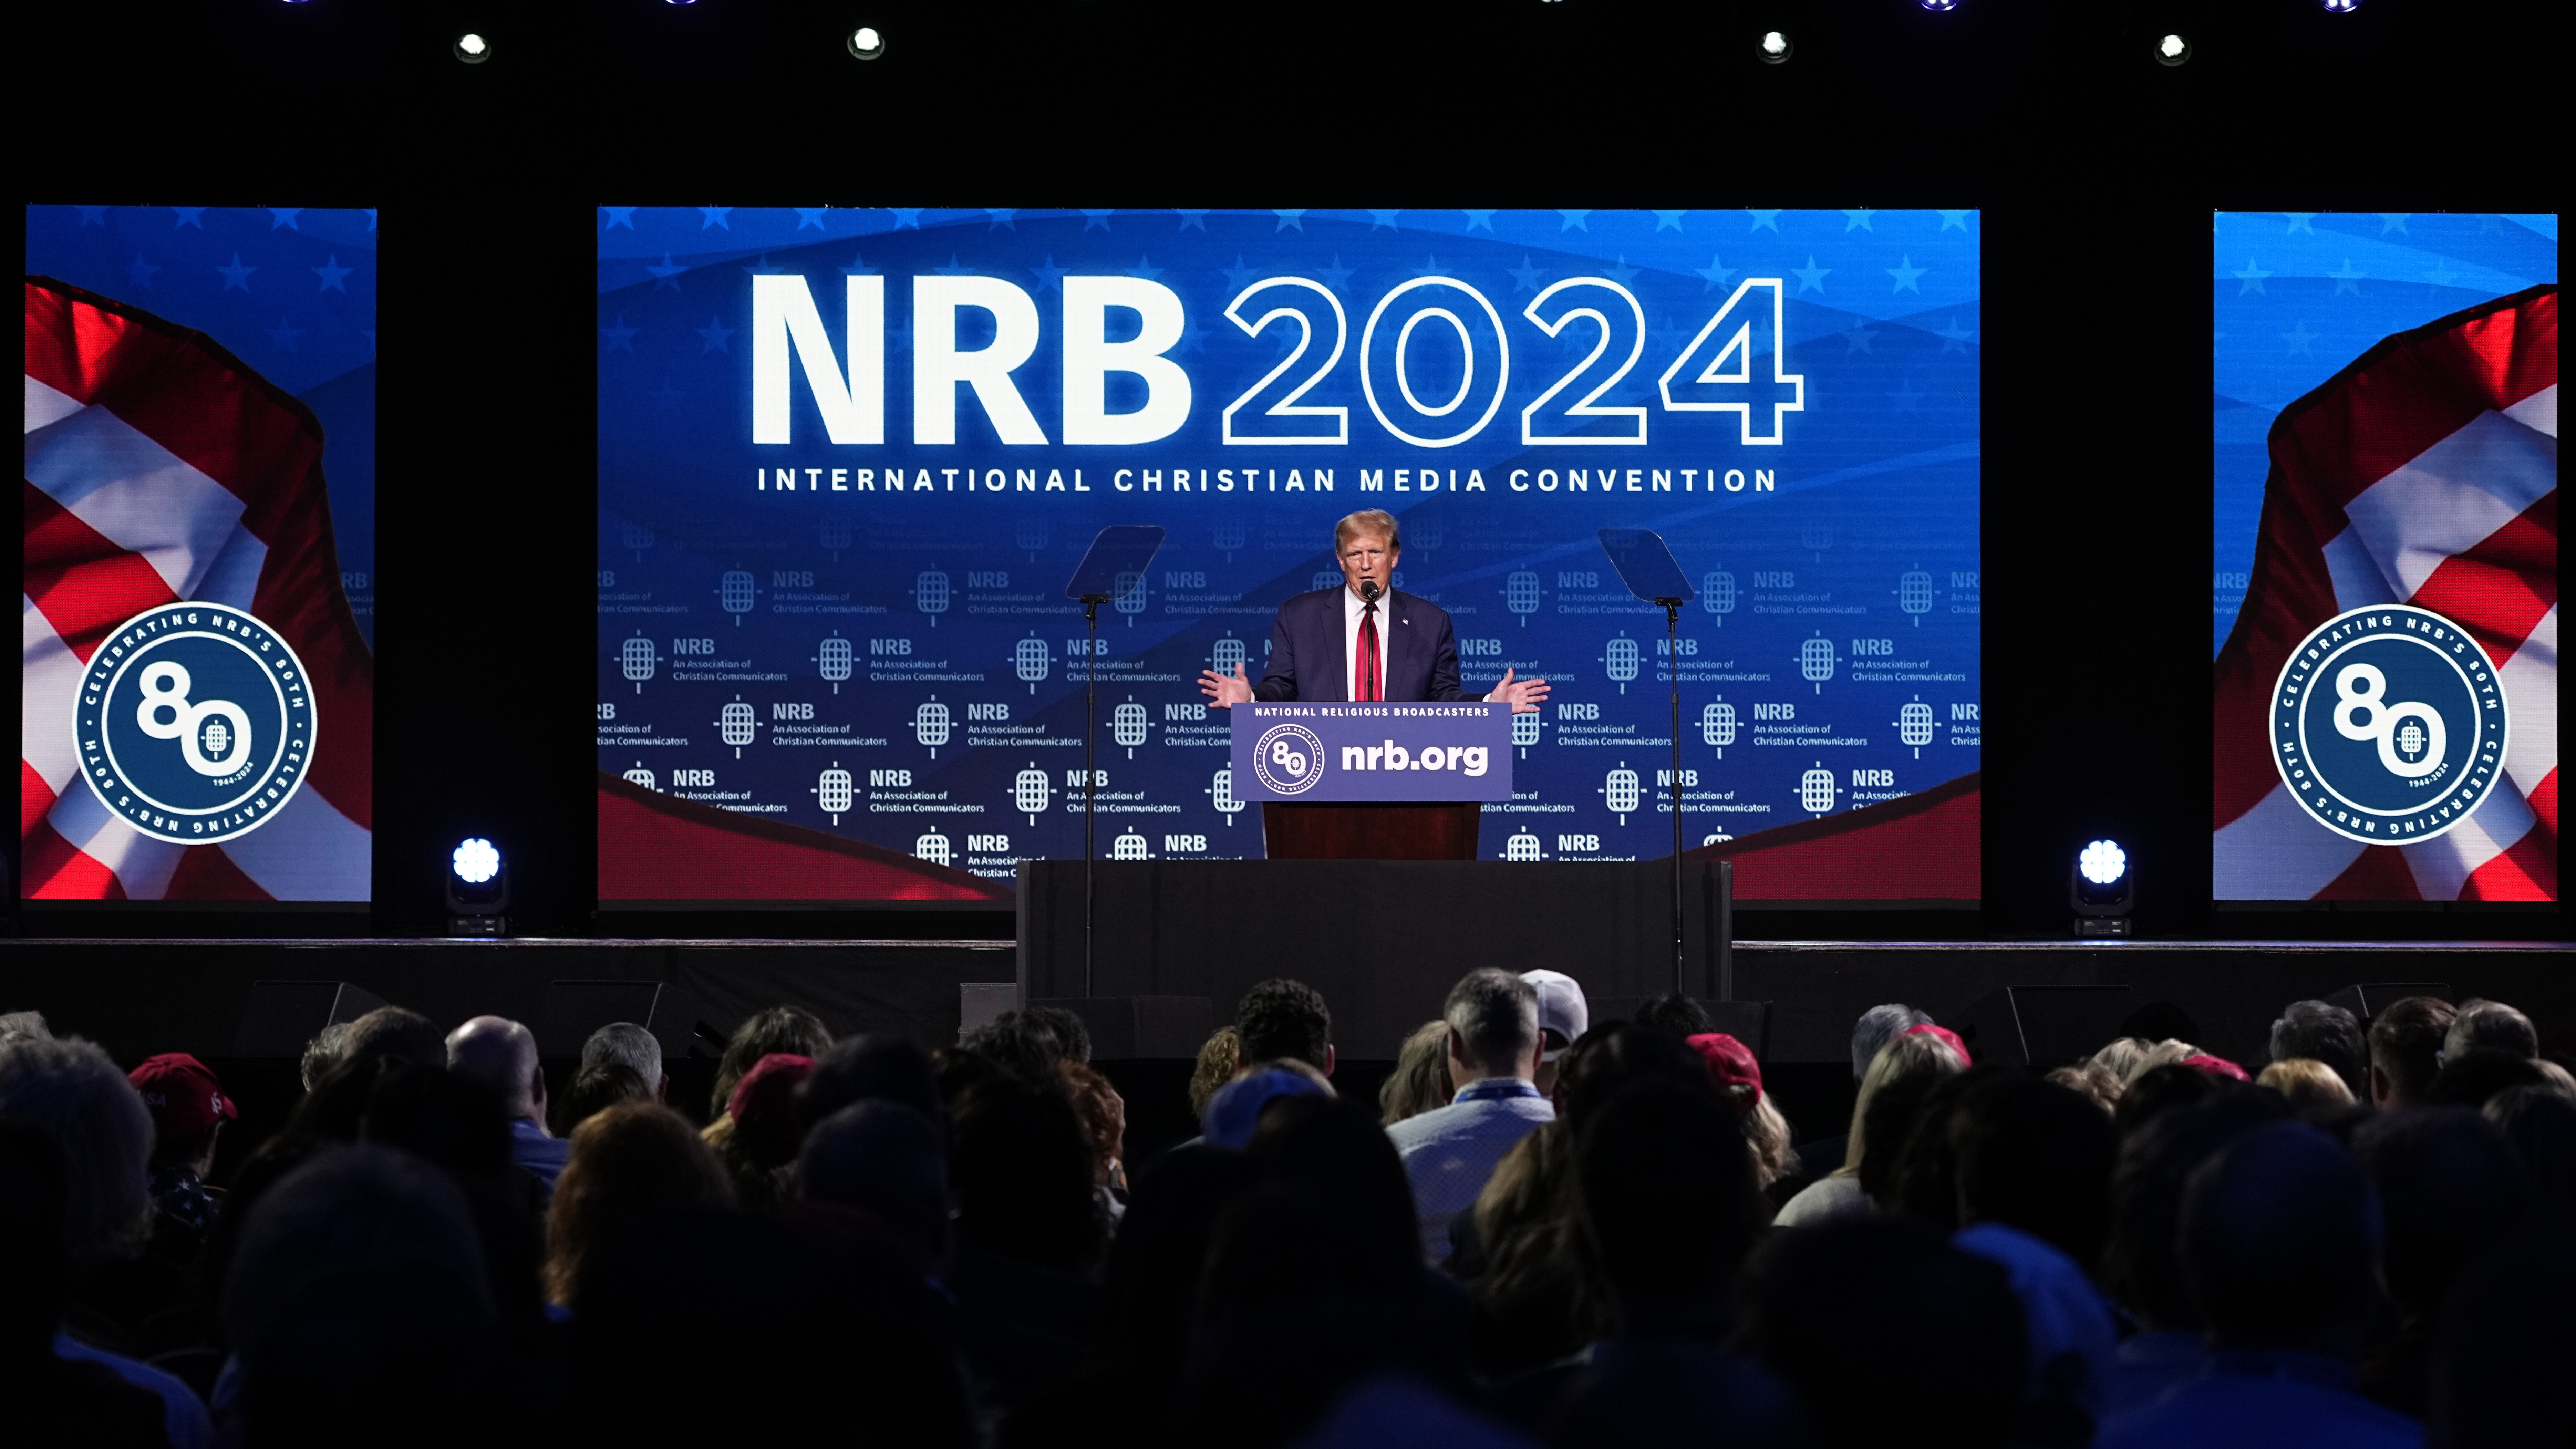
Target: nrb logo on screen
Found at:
196, 723
2388, 725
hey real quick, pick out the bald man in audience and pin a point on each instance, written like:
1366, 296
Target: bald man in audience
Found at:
500, 1055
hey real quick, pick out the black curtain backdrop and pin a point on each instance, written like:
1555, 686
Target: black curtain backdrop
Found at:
2094, 167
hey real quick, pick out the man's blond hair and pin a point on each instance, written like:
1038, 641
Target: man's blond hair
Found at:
1367, 520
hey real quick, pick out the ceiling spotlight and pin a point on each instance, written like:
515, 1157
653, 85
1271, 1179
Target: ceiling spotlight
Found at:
2172, 50
1775, 47
478, 889
1940, 4
866, 43
2103, 890
473, 49
2342, 7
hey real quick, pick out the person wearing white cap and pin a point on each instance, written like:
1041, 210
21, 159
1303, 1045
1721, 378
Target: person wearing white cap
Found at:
1562, 1020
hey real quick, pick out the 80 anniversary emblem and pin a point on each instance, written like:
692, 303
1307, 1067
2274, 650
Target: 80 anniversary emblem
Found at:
1288, 758
195, 723
2388, 725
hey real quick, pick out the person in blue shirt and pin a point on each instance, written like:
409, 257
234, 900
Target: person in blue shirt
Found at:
1494, 1046
500, 1055
2279, 1235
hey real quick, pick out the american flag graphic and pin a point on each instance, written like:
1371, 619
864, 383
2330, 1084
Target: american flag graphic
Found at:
2426, 473
160, 469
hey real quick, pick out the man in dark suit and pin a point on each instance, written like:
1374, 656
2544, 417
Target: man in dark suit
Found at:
1363, 641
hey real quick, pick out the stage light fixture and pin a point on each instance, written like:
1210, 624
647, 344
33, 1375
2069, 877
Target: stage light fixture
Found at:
1940, 4
866, 42
473, 49
2343, 7
478, 889
2172, 49
2103, 889
1775, 47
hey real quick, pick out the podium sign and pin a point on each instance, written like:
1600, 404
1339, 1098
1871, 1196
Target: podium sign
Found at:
1379, 752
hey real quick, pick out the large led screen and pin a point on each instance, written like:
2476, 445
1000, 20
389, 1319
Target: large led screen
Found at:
849, 458
2385, 603
197, 665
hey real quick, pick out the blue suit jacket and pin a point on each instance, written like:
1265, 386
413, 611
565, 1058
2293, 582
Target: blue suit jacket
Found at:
1308, 660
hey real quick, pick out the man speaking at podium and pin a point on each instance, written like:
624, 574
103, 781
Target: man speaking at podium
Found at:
1363, 641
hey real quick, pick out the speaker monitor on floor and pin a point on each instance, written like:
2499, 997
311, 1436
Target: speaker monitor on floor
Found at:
1142, 1028
2042, 1026
283, 1016
2367, 999
575, 1009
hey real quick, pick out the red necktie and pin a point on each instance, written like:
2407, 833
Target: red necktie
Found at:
1368, 689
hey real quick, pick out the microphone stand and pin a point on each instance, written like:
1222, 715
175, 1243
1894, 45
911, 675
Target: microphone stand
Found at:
1673, 674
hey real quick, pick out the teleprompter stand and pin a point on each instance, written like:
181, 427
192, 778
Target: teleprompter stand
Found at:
1114, 565
1647, 567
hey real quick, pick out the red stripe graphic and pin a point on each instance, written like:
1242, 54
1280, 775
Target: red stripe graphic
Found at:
2499, 589
1924, 846
655, 847
2544, 801
2527, 871
205, 873
79, 580
2379, 873
56, 870
35, 799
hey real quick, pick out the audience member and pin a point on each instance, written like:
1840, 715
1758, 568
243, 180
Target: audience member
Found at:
500, 1056
1236, 1109
2406, 1049
1022, 1043
2539, 1123
2161, 1089
1283, 1018
325, 1051
1669, 1211
629, 1162
759, 1154
633, 1047
1493, 1049
189, 1110
23, 1025
2306, 1081
1420, 1081
1673, 1012
1766, 1133
2141, 1266
1104, 1126
1924, 1183
2095, 1084
2320, 1031
596, 1089
2034, 1171
2449, 1186
1029, 1230
360, 1295
1905, 1059
394, 1031
2502, 1346
2216, 1067
881, 1159
97, 1137
1219, 1056
1563, 1017
2469, 1078
2123, 1057
2482, 1025
46, 1389
1336, 1147
873, 1067
1877, 1027
789, 1029
2277, 1238
1887, 1334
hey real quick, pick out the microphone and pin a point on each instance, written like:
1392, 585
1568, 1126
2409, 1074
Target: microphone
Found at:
1368, 591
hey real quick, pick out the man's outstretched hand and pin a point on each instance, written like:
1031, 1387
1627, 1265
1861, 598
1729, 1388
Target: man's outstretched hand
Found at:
1524, 697
1225, 692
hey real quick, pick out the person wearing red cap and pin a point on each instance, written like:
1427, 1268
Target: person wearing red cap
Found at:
1732, 1067
189, 1110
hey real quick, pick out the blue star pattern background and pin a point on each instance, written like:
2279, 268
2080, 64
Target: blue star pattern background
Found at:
2295, 296
727, 599
291, 291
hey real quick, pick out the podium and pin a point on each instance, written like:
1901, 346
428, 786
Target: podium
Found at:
1372, 781
1325, 830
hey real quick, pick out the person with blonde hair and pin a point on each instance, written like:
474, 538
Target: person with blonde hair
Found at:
1420, 1082
2307, 1082
1219, 1056
1912, 1058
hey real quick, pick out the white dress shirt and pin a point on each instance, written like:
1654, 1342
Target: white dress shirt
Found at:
1352, 609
